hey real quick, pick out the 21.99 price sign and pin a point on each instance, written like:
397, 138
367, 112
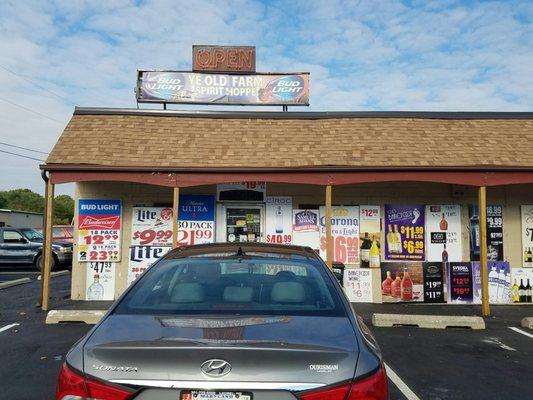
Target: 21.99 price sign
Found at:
195, 232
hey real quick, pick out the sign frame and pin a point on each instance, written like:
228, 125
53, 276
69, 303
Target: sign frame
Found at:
214, 51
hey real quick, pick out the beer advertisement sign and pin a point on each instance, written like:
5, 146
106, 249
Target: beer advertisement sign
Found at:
305, 231
196, 219
443, 226
219, 88
151, 226
99, 224
344, 232
141, 258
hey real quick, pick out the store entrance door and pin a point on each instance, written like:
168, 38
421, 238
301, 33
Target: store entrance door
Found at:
244, 223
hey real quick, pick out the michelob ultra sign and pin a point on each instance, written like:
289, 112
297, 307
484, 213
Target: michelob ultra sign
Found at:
215, 88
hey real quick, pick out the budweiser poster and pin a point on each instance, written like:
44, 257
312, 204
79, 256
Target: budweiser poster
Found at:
216, 88
99, 224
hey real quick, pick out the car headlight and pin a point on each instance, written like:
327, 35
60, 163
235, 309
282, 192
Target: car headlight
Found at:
65, 249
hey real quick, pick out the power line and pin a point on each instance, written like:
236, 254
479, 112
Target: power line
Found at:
20, 155
36, 84
23, 148
33, 111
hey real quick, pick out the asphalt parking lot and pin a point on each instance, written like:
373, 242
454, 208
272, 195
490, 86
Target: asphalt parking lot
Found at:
427, 364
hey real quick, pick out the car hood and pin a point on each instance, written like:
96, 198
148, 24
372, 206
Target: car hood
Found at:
276, 348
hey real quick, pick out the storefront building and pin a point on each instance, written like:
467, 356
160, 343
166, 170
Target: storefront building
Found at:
403, 191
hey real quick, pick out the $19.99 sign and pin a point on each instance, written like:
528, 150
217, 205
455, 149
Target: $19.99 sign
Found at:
99, 224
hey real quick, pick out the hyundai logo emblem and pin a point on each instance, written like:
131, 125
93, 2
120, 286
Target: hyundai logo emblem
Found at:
216, 368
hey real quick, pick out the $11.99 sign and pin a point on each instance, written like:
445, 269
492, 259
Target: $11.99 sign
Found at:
99, 224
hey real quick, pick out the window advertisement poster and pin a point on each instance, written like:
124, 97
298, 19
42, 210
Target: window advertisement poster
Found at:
499, 282
370, 236
151, 226
405, 232
527, 235
476, 282
278, 220
305, 230
495, 233
402, 282
521, 289
460, 283
443, 227
100, 281
196, 219
99, 224
358, 285
344, 232
434, 282
242, 191
473, 223
141, 258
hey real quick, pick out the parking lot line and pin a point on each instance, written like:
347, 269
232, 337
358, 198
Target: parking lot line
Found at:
5, 328
406, 391
521, 331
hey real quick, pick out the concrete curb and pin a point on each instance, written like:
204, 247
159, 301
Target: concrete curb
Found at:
90, 317
14, 282
428, 321
55, 273
527, 322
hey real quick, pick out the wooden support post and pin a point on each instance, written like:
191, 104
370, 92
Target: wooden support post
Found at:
175, 208
482, 202
47, 244
329, 238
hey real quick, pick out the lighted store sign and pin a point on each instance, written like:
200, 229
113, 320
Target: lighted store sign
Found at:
215, 88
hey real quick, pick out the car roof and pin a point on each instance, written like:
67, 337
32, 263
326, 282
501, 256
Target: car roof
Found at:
199, 249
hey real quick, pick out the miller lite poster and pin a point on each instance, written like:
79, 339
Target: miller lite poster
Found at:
305, 229
151, 226
196, 219
141, 258
99, 224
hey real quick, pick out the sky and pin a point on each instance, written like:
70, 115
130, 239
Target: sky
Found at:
362, 55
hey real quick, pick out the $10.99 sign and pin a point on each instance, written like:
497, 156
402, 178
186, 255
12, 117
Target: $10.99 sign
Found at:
99, 223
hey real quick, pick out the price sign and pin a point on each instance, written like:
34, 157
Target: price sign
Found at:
345, 234
405, 232
193, 232
358, 285
460, 283
196, 222
100, 280
151, 226
433, 282
279, 239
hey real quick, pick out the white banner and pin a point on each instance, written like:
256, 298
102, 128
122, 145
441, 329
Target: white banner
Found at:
141, 258
100, 281
358, 285
527, 236
520, 276
305, 230
278, 220
345, 233
443, 227
151, 226
370, 236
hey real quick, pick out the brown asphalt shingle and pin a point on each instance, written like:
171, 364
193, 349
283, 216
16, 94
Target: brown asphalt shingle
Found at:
178, 141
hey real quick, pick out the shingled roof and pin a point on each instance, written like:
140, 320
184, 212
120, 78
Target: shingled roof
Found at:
171, 139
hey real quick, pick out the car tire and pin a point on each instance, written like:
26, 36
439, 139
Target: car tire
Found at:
39, 262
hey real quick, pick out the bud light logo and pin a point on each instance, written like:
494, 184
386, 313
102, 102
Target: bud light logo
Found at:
162, 85
287, 89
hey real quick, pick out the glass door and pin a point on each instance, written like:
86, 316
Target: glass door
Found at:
244, 223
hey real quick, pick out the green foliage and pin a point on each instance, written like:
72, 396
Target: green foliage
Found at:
26, 200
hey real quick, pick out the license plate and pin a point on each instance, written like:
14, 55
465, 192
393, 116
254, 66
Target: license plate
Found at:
214, 395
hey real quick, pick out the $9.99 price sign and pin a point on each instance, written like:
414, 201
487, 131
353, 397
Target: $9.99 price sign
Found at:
151, 226
99, 224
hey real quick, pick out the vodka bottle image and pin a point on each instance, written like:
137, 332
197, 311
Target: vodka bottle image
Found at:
493, 285
502, 287
443, 225
374, 254
279, 220
406, 287
516, 295
395, 287
386, 285
96, 290
397, 240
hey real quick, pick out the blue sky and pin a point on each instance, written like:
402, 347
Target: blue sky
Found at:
362, 55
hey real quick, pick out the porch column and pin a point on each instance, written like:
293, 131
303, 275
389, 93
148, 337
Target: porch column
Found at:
329, 239
47, 243
482, 203
175, 208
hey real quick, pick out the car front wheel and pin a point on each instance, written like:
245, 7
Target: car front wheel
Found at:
40, 260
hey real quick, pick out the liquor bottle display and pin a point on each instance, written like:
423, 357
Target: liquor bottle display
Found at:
493, 285
443, 225
374, 254
386, 285
366, 244
444, 254
397, 240
516, 294
96, 290
528, 292
406, 287
522, 291
395, 288
391, 240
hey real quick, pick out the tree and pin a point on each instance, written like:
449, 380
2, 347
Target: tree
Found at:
63, 210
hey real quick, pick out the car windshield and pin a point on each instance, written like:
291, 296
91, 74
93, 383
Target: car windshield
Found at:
32, 234
217, 284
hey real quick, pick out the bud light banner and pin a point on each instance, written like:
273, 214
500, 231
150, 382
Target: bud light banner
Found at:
99, 224
142, 258
344, 232
151, 226
278, 221
405, 232
196, 219
213, 88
